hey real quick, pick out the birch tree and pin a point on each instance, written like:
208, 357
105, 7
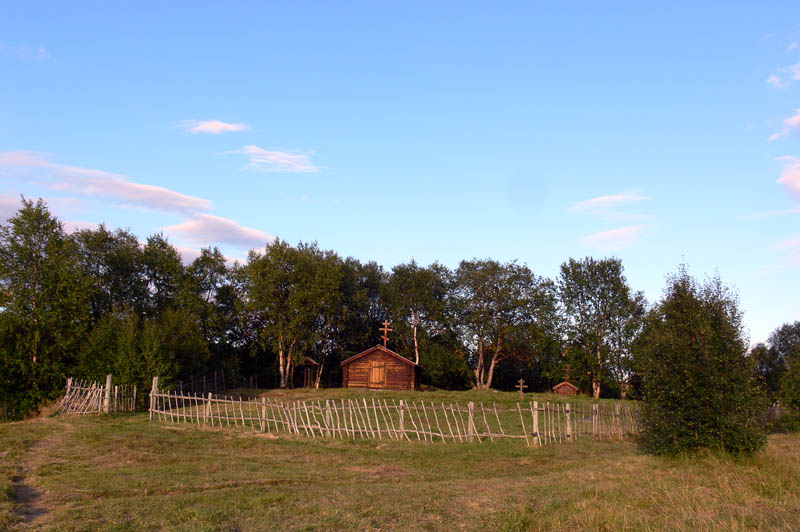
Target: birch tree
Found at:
599, 315
289, 296
415, 297
44, 303
494, 303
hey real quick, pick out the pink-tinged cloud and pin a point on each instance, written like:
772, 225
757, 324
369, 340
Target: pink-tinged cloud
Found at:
206, 229
99, 183
9, 205
277, 161
793, 121
24, 51
790, 177
604, 202
615, 239
794, 71
790, 124
188, 255
792, 243
70, 226
213, 127
770, 214
776, 81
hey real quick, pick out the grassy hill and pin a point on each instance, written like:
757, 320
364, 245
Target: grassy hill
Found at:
126, 473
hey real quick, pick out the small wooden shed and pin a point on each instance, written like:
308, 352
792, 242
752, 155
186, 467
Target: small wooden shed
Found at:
380, 368
565, 388
309, 366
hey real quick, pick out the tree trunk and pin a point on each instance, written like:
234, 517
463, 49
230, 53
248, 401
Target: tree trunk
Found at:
596, 374
282, 367
492, 365
416, 345
318, 377
479, 367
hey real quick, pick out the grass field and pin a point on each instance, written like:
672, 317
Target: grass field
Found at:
126, 473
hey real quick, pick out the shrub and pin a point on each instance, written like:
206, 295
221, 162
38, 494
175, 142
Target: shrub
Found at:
698, 382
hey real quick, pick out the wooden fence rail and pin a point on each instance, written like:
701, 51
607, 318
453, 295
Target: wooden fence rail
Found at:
91, 397
538, 423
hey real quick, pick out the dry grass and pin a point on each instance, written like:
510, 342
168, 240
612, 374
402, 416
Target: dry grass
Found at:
124, 473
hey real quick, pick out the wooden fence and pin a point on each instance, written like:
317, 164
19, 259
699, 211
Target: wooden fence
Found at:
538, 423
91, 397
214, 382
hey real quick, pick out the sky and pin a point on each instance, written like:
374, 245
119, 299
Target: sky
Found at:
528, 131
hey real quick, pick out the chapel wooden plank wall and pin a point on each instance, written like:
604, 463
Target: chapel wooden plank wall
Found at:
380, 368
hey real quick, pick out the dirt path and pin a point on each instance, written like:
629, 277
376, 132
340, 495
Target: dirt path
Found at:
28, 498
31, 500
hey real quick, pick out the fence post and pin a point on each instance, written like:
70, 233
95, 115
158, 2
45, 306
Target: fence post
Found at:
133, 403
153, 392
619, 423
538, 438
569, 423
470, 421
208, 411
402, 417
263, 412
116, 396
594, 421
107, 396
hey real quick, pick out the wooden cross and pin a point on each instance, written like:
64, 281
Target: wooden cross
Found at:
521, 386
386, 330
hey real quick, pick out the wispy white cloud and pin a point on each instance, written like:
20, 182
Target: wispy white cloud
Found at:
189, 254
608, 208
277, 161
206, 229
24, 51
212, 127
611, 200
794, 71
776, 81
98, 183
615, 239
792, 46
70, 226
792, 243
790, 177
770, 214
789, 124
9, 204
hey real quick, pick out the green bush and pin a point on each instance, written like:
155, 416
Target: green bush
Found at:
698, 382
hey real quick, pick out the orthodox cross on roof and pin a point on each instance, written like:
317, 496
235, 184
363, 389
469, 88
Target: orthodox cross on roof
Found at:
521, 385
386, 330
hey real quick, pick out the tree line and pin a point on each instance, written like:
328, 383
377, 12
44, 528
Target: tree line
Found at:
100, 301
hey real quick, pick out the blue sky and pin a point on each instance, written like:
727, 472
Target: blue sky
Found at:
438, 131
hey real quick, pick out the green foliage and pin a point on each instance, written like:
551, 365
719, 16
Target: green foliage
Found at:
164, 272
415, 299
292, 299
785, 343
135, 349
501, 311
45, 307
698, 382
600, 317
114, 263
445, 368
790, 383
